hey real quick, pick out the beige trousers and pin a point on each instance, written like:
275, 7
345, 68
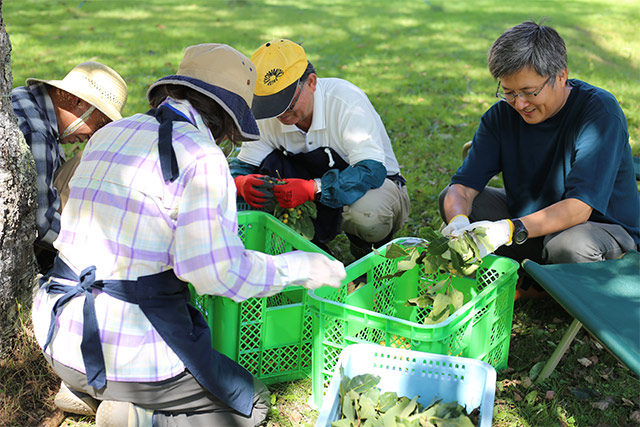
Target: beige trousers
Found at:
379, 213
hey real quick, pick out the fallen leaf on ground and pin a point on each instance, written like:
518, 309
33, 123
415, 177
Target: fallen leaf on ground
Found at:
517, 397
585, 362
635, 417
627, 402
604, 403
550, 395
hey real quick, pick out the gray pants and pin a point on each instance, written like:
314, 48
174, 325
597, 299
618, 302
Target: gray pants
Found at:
179, 401
587, 242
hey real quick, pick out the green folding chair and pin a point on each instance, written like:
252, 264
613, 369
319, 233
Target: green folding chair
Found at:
604, 297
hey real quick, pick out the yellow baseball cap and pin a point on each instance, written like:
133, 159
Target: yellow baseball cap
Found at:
279, 64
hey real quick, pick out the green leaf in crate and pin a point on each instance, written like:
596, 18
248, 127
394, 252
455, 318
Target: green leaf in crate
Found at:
428, 234
362, 383
348, 410
481, 235
432, 319
438, 246
373, 394
422, 301
341, 423
367, 407
394, 251
440, 304
408, 264
411, 406
387, 401
438, 287
457, 298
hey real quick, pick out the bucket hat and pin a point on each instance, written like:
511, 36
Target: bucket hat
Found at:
94, 83
223, 74
280, 64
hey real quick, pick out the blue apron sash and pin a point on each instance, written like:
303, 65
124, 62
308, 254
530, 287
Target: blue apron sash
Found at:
166, 115
164, 300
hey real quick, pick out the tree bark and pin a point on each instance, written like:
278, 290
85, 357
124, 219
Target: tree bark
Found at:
17, 208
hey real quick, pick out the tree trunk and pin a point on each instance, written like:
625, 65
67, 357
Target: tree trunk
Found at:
17, 208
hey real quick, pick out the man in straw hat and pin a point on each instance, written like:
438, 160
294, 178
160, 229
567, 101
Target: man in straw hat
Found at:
327, 142
152, 207
54, 112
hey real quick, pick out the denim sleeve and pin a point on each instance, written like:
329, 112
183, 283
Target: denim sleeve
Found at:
341, 188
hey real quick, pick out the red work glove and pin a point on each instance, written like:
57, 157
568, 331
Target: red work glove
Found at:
294, 192
249, 189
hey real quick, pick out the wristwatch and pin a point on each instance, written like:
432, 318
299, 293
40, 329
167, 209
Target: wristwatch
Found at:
520, 232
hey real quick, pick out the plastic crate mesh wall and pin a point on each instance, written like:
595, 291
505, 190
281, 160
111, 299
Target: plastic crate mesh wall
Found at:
270, 364
498, 312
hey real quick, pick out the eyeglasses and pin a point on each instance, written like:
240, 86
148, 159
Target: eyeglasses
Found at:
296, 98
527, 96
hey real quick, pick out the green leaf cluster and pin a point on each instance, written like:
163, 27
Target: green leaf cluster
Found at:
363, 404
454, 256
300, 218
442, 298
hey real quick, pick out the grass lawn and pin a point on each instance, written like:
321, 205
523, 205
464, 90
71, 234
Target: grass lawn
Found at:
423, 65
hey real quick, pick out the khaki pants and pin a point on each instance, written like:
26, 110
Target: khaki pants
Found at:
378, 214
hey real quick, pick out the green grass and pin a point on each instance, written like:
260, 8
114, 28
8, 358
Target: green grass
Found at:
423, 65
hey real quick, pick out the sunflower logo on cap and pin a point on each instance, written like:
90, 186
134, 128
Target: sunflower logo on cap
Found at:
272, 76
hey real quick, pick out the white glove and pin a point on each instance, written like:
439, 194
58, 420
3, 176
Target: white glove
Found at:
498, 233
312, 270
456, 223
324, 272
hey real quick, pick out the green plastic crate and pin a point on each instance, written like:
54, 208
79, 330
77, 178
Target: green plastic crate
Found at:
271, 337
375, 313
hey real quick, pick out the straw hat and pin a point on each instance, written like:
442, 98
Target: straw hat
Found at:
280, 64
223, 74
96, 84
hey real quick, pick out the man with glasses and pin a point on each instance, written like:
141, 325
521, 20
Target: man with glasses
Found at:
324, 141
562, 146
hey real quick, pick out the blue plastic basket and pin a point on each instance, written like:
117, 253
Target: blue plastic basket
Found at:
470, 382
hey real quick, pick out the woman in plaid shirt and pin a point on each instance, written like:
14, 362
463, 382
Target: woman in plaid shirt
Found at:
152, 207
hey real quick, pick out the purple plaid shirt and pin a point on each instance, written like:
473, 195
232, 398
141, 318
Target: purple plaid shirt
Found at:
124, 219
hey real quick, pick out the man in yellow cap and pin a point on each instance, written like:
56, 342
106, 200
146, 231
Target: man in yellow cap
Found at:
325, 140
54, 112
